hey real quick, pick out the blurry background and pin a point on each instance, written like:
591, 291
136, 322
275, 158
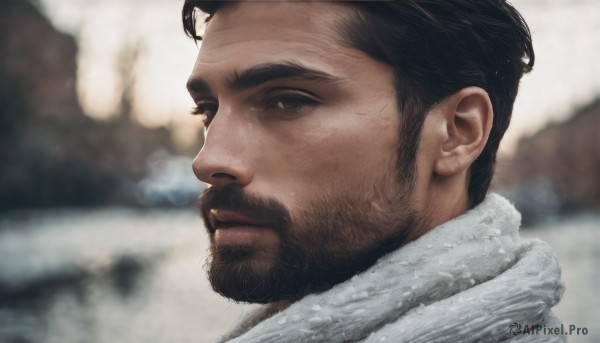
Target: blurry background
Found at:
99, 238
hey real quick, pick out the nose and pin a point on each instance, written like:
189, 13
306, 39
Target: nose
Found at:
224, 158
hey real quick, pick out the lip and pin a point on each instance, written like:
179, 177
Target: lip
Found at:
236, 228
245, 236
223, 219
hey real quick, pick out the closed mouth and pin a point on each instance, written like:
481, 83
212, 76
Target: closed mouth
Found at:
223, 219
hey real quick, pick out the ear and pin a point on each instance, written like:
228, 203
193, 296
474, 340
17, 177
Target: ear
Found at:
468, 116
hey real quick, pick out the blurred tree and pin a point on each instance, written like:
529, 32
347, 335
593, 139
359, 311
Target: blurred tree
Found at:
51, 154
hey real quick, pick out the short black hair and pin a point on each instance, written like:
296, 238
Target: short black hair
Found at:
435, 48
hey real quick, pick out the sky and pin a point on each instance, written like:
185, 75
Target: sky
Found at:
566, 36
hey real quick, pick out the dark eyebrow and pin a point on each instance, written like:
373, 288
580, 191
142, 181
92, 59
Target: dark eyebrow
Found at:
273, 71
263, 73
198, 85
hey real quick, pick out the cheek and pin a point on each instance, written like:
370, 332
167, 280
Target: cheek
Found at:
313, 158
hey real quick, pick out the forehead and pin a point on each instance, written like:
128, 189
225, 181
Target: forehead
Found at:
243, 34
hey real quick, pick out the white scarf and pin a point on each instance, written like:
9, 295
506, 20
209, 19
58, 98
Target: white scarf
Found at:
466, 280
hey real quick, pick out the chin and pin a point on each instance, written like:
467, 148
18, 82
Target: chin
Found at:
247, 274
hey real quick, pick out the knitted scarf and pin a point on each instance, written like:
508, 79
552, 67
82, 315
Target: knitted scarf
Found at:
471, 279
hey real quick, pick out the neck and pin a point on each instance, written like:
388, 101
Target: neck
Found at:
280, 305
445, 199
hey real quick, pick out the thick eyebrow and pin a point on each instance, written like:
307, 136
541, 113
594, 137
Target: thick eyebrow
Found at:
263, 73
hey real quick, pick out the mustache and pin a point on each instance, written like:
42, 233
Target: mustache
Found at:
231, 197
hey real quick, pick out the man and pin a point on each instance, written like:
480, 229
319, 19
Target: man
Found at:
349, 148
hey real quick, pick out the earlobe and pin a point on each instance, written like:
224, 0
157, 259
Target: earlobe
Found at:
468, 115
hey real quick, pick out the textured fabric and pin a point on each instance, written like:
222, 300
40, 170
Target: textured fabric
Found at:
467, 280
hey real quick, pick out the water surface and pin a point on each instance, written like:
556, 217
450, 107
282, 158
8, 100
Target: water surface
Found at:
123, 275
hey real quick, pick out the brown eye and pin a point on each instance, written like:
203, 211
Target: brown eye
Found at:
290, 102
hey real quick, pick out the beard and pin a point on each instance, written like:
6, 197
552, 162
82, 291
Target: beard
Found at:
326, 242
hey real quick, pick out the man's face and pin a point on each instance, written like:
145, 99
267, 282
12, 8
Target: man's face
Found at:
300, 151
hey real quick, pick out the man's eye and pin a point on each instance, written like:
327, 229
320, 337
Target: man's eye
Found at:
207, 110
289, 102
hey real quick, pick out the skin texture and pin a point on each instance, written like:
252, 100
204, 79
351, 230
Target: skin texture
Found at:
325, 165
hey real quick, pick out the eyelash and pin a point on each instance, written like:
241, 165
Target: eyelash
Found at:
201, 109
277, 102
